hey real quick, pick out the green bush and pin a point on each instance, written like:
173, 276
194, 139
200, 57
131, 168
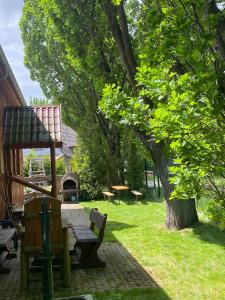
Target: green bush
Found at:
216, 212
82, 163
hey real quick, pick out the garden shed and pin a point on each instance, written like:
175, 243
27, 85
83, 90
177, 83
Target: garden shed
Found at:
10, 95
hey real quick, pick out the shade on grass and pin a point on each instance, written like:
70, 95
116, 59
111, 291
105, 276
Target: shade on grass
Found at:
187, 264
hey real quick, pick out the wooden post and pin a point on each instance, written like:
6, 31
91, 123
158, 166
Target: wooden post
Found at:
8, 170
146, 174
17, 161
5, 160
154, 177
14, 161
53, 170
158, 181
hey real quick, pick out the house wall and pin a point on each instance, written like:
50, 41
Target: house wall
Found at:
9, 97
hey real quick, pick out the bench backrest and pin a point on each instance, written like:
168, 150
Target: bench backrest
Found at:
32, 223
99, 220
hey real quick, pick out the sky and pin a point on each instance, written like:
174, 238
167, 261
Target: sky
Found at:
11, 42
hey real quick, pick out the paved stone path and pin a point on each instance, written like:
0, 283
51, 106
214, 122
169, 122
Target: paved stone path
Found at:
122, 271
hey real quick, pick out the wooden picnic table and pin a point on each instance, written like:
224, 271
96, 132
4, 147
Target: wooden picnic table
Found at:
120, 188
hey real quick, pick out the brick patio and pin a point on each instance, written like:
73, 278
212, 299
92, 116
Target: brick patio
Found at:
122, 271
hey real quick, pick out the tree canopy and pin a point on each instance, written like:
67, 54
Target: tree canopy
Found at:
155, 68
73, 73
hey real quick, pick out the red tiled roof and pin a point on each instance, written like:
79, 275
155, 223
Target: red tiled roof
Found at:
32, 127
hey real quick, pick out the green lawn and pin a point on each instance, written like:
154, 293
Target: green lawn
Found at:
187, 264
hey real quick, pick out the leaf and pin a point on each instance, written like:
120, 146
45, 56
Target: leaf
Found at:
116, 2
196, 54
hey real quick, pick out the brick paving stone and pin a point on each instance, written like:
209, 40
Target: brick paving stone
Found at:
122, 271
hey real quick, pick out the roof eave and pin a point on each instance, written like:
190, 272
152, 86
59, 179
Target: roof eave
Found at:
11, 76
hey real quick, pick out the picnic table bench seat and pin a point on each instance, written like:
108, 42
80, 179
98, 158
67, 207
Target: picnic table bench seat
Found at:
137, 194
108, 195
85, 251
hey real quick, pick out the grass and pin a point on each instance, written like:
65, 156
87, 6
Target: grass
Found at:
186, 264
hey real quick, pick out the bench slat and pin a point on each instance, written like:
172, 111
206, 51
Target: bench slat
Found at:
85, 236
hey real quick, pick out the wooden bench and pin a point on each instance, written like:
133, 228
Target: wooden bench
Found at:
108, 194
137, 194
7, 235
87, 242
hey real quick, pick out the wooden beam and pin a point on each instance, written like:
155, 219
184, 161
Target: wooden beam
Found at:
8, 172
53, 170
20, 180
58, 144
38, 178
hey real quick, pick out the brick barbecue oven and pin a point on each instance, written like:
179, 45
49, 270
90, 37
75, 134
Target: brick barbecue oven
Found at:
70, 187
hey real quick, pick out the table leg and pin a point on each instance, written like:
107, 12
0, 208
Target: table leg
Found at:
66, 259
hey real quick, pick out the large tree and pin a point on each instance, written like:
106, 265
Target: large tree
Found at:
180, 79
126, 52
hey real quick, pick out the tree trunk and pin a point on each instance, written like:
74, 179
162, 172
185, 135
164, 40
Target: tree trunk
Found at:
179, 213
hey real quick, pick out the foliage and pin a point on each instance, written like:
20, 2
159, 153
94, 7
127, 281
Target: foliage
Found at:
180, 71
39, 101
26, 161
120, 107
93, 172
216, 211
134, 155
60, 165
84, 164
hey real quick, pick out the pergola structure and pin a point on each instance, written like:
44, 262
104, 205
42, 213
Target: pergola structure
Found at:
10, 95
30, 127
